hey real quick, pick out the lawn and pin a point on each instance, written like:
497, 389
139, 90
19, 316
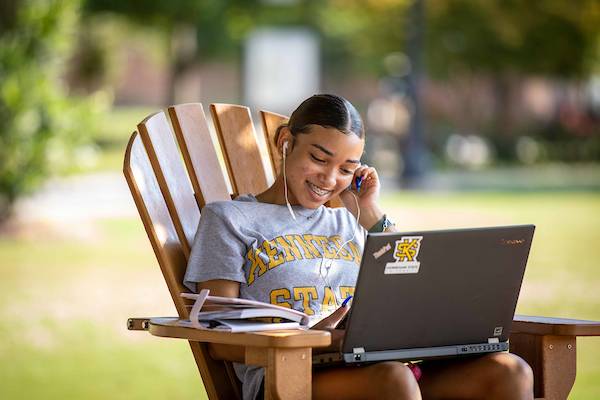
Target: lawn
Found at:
64, 298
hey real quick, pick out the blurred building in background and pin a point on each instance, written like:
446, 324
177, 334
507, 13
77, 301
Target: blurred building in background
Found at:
281, 68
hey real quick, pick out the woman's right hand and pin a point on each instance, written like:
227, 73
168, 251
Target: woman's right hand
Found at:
329, 324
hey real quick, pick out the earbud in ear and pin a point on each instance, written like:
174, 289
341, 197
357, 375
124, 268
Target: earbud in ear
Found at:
284, 148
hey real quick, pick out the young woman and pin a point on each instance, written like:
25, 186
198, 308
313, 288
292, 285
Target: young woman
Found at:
283, 246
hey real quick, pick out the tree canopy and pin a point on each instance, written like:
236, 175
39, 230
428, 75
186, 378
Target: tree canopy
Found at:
550, 37
39, 123
547, 37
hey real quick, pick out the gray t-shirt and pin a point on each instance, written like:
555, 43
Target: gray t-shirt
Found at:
305, 263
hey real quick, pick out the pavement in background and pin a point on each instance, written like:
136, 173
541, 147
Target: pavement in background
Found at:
106, 195
79, 198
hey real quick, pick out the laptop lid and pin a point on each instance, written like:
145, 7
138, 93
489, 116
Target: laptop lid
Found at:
437, 288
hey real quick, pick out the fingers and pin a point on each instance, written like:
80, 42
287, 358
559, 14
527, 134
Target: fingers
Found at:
365, 172
338, 315
333, 320
366, 175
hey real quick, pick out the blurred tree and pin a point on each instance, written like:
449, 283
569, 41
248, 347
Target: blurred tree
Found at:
193, 30
549, 37
507, 39
39, 124
358, 34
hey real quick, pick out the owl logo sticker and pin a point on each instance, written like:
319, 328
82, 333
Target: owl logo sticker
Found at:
405, 261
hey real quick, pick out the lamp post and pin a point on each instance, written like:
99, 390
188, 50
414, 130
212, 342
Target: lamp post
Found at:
413, 148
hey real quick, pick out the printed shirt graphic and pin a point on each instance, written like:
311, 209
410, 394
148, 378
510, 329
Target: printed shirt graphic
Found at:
277, 259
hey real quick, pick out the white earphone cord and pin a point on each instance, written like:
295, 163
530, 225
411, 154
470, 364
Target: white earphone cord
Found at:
328, 267
285, 189
289, 206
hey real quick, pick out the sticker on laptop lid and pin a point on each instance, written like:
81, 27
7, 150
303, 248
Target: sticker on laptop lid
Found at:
382, 251
405, 256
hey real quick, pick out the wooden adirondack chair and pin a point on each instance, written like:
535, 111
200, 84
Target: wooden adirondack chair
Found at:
173, 170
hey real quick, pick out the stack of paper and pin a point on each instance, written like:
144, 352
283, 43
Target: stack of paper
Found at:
240, 315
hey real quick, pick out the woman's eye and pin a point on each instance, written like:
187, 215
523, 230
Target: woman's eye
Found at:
347, 172
316, 159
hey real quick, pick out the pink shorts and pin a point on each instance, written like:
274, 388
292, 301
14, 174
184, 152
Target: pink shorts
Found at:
416, 370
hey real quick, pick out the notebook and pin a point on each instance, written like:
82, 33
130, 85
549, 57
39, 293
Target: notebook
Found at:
431, 294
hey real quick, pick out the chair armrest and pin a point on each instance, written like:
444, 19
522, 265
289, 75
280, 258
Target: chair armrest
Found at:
549, 347
290, 338
554, 326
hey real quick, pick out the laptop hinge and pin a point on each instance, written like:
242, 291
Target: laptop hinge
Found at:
358, 353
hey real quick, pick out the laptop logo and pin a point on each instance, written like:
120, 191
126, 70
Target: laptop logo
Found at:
512, 242
498, 331
405, 256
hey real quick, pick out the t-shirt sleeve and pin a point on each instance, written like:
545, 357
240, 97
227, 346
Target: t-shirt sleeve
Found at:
218, 251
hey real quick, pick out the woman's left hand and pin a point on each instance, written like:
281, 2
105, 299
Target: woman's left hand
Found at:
367, 196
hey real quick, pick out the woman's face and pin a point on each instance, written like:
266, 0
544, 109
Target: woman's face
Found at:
320, 164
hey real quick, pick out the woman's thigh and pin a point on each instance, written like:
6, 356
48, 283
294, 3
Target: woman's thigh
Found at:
382, 380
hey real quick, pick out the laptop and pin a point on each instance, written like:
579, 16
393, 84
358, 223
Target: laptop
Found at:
432, 294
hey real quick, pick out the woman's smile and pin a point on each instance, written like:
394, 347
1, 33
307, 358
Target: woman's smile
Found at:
318, 191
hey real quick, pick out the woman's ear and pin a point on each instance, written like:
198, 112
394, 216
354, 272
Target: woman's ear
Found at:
285, 140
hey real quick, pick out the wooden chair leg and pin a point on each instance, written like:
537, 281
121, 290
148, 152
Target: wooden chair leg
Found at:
553, 359
288, 371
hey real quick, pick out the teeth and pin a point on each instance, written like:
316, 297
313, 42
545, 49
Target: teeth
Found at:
318, 190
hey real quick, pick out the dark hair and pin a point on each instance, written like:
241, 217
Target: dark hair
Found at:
326, 110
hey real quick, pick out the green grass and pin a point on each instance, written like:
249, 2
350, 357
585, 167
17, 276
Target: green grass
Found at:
64, 299
88, 362
562, 277
120, 123
63, 305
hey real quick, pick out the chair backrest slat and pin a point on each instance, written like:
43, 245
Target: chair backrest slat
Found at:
199, 153
156, 218
166, 242
270, 122
173, 181
242, 156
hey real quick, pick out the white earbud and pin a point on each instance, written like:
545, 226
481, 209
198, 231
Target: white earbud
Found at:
284, 148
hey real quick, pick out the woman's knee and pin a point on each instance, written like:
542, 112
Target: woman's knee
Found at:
394, 380
510, 373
